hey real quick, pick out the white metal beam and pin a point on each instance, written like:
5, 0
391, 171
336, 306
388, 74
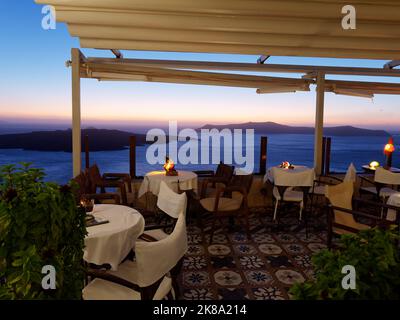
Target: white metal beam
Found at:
235, 66
392, 64
76, 111
229, 48
319, 123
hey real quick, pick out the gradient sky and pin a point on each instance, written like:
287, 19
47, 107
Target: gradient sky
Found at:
35, 87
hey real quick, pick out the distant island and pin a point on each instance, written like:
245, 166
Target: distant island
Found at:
61, 140
109, 140
276, 128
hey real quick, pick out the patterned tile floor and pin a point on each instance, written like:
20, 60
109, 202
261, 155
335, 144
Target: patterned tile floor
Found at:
234, 268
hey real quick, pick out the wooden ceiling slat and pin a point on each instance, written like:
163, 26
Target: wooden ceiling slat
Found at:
233, 38
376, 11
239, 49
272, 25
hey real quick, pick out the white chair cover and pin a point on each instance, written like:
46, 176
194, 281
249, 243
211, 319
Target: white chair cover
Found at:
170, 202
100, 289
287, 178
385, 176
351, 173
394, 200
155, 259
341, 196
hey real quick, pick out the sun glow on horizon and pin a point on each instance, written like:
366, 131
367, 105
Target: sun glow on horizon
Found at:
197, 106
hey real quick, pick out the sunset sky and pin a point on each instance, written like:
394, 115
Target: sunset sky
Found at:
35, 87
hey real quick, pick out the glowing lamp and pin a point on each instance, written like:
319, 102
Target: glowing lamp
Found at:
87, 204
373, 165
389, 147
388, 151
169, 167
286, 165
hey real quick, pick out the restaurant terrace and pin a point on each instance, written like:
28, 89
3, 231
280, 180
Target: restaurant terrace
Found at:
226, 234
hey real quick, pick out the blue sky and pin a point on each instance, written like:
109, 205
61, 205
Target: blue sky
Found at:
35, 87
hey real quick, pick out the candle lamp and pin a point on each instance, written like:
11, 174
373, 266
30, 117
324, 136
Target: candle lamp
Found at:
87, 204
286, 165
169, 167
388, 151
373, 165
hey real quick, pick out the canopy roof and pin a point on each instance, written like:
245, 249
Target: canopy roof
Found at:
262, 27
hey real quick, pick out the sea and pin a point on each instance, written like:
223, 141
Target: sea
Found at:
295, 148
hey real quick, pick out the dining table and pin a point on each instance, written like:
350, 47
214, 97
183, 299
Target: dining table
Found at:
186, 180
289, 176
368, 169
110, 242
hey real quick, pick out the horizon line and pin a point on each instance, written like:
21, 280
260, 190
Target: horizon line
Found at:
147, 124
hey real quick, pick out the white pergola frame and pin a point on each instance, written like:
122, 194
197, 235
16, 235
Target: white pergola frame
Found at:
196, 72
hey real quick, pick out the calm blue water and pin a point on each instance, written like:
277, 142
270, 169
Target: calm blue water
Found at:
297, 149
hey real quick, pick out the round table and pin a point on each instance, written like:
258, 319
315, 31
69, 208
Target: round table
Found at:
273, 171
151, 182
111, 242
368, 169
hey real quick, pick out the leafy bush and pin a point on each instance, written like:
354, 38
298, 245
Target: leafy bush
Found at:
40, 225
375, 255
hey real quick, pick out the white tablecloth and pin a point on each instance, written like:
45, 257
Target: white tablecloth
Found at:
394, 200
151, 182
298, 176
111, 242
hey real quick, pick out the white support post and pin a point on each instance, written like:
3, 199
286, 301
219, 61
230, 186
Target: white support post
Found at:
319, 123
76, 111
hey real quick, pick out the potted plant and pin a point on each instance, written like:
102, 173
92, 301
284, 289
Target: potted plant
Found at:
374, 254
40, 225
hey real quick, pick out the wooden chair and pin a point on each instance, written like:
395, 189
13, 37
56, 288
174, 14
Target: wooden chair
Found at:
218, 173
84, 191
149, 276
384, 185
221, 177
341, 216
120, 181
230, 201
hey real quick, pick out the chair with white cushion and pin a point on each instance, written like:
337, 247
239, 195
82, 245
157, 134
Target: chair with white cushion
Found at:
148, 276
284, 184
230, 202
385, 184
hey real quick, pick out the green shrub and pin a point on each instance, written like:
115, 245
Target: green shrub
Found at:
375, 255
40, 225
